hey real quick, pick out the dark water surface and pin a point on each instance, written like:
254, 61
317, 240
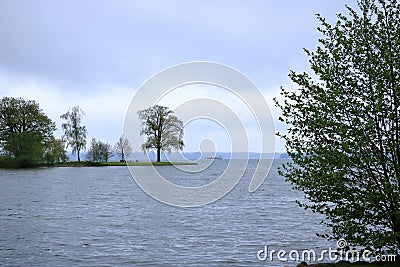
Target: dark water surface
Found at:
100, 217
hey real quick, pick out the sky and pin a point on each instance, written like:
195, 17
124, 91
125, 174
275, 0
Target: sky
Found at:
96, 54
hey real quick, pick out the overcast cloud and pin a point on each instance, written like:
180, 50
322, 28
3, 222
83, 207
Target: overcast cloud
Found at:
95, 54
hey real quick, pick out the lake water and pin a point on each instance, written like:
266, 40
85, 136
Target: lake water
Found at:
100, 217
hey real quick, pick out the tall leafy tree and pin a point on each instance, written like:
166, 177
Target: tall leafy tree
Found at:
123, 147
74, 131
344, 132
163, 129
24, 129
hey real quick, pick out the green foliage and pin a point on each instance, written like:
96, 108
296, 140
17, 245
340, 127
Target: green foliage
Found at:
344, 133
28, 146
24, 131
74, 132
99, 151
123, 148
55, 152
163, 129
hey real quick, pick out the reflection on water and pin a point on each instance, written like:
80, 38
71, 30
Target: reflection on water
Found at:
100, 217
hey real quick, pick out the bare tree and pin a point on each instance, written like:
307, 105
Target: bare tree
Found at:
123, 148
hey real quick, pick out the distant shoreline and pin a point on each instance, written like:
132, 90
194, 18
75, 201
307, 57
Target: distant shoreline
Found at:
108, 164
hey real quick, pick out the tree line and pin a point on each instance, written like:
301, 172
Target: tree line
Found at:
27, 135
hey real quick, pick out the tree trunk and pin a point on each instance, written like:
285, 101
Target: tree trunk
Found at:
79, 158
158, 154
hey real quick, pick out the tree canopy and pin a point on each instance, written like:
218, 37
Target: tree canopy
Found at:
24, 130
344, 133
163, 129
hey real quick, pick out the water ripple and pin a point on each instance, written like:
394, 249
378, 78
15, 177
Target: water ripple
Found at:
100, 217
